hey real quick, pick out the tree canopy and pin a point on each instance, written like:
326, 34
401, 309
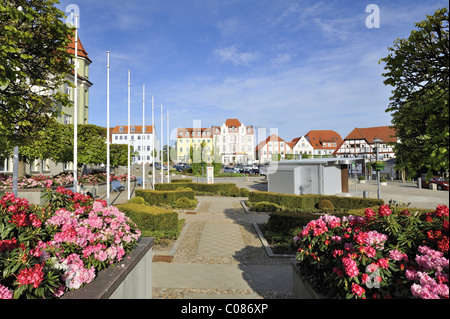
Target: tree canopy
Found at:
33, 65
418, 69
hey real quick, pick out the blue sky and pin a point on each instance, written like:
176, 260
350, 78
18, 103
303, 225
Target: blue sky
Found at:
285, 65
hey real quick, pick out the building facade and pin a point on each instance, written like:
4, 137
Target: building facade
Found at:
300, 146
201, 142
273, 148
359, 143
235, 142
142, 138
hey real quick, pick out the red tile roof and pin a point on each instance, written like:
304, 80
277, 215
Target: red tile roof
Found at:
317, 137
191, 130
232, 122
385, 133
80, 49
271, 138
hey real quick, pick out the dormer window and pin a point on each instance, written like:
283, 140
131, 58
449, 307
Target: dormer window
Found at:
133, 129
121, 129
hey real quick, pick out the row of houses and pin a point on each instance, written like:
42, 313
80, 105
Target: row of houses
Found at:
234, 142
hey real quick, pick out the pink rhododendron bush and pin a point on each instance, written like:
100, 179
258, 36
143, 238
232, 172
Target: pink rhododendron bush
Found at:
386, 254
46, 251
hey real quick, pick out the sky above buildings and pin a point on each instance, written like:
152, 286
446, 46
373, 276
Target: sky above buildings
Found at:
287, 66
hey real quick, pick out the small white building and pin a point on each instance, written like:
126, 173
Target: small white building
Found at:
323, 176
144, 142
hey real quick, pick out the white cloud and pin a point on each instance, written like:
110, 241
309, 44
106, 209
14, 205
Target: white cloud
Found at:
231, 54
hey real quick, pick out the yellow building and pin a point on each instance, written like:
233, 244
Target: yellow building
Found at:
195, 138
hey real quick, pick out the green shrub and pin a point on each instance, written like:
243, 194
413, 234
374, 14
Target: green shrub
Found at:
199, 188
234, 191
137, 200
169, 197
264, 207
150, 218
325, 205
181, 180
185, 203
244, 192
309, 202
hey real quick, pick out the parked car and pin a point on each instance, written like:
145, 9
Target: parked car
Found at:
181, 167
439, 181
158, 166
230, 169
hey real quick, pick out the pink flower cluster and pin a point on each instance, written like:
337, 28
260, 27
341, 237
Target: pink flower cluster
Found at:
76, 274
5, 293
104, 224
431, 263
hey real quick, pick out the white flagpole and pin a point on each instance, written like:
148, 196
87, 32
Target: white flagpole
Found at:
161, 155
75, 113
143, 136
153, 144
168, 148
108, 142
129, 136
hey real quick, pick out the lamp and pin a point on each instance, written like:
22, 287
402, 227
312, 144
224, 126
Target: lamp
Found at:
377, 142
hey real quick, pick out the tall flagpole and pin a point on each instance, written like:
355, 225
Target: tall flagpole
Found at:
161, 155
168, 148
153, 143
75, 113
108, 142
143, 136
129, 136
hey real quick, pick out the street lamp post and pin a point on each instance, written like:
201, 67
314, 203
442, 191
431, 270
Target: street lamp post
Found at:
377, 142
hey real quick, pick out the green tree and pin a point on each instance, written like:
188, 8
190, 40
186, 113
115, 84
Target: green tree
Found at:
33, 65
418, 69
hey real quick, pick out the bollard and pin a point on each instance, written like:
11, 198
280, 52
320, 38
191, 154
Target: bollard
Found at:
365, 194
419, 183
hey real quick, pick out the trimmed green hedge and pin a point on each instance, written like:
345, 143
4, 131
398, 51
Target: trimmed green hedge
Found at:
150, 218
219, 188
310, 201
163, 197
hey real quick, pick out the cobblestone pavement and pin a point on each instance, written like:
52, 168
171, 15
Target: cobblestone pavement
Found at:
221, 256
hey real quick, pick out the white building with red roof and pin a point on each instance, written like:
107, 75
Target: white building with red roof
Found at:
144, 141
323, 142
272, 149
234, 141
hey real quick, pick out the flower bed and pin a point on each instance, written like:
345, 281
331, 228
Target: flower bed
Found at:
47, 251
41, 181
388, 254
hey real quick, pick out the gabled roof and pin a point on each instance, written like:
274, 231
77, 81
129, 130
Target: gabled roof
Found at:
317, 137
80, 49
385, 133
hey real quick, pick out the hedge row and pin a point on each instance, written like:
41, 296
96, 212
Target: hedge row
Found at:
150, 218
167, 197
310, 201
219, 188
